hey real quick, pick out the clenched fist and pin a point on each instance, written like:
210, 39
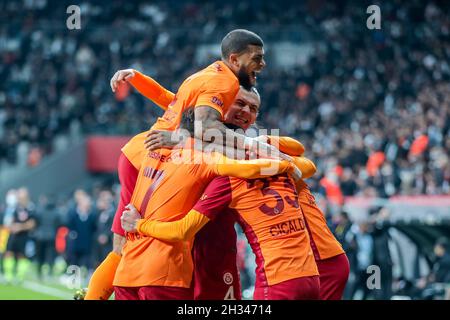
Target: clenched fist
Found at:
129, 218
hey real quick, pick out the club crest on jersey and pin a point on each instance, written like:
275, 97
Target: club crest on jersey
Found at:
228, 278
204, 197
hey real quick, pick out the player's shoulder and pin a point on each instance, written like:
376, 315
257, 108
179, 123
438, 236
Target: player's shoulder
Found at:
220, 70
222, 183
218, 187
217, 73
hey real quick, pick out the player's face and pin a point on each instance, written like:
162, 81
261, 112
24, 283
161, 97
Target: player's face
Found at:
244, 110
251, 63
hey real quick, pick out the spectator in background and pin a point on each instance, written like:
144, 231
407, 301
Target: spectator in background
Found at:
342, 229
6, 216
81, 222
430, 286
376, 104
441, 268
364, 257
48, 221
381, 253
103, 235
23, 221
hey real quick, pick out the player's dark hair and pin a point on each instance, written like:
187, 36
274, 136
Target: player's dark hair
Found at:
237, 41
255, 91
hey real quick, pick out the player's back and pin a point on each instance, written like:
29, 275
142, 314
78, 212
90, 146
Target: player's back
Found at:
165, 190
323, 242
269, 213
214, 86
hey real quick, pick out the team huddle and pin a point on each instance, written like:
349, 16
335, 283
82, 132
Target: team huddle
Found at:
174, 235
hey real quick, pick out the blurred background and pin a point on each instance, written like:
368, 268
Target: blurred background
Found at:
372, 108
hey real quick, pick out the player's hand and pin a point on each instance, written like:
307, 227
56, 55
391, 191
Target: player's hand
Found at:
121, 77
130, 218
159, 139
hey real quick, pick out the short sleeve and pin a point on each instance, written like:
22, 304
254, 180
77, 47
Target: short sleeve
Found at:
218, 92
215, 198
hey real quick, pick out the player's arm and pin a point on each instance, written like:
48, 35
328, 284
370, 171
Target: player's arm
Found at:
146, 85
216, 94
254, 169
217, 196
306, 166
286, 145
179, 230
212, 128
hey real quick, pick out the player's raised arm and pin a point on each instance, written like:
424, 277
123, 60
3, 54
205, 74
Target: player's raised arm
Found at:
146, 85
210, 128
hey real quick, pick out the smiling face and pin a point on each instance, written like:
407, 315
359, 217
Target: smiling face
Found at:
244, 110
250, 63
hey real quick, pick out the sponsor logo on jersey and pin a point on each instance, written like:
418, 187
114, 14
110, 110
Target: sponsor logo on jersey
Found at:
217, 101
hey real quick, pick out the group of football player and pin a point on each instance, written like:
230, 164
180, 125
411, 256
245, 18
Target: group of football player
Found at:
174, 235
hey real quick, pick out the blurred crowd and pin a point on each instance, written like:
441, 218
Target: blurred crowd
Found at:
76, 231
371, 106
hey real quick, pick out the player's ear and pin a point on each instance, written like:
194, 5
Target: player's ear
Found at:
233, 59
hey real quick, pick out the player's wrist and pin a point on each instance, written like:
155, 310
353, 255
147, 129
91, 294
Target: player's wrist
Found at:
140, 226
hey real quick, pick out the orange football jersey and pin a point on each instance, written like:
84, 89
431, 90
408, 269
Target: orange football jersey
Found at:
323, 242
215, 86
167, 187
270, 215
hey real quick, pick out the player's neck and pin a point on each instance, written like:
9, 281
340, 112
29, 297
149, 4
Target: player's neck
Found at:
231, 67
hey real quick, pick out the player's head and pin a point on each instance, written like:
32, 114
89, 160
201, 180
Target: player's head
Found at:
244, 110
243, 52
